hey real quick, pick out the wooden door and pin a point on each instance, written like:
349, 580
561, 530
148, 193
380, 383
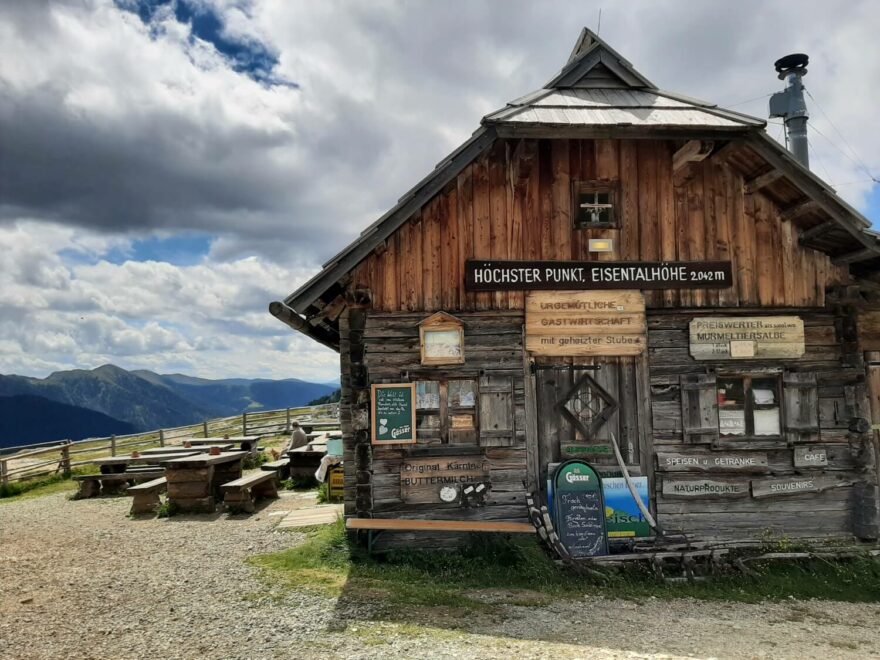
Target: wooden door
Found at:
580, 405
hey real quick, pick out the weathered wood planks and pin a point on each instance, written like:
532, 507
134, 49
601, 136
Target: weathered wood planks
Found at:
516, 202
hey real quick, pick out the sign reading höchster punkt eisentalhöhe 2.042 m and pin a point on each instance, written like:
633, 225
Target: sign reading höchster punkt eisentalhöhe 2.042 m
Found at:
575, 275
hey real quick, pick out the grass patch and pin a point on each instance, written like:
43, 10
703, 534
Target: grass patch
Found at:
493, 571
300, 482
17, 491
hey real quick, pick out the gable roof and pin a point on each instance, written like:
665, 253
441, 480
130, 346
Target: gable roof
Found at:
596, 94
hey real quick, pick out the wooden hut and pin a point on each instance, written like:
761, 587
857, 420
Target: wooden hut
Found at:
603, 258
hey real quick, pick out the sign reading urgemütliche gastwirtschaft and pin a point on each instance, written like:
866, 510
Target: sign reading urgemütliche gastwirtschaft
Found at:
578, 275
393, 413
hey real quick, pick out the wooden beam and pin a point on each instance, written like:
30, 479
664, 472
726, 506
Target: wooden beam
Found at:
439, 525
814, 232
857, 255
692, 151
799, 209
753, 185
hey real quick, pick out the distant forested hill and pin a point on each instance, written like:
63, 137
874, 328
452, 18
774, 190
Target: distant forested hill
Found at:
27, 419
145, 400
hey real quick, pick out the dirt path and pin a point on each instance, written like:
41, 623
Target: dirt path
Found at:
81, 580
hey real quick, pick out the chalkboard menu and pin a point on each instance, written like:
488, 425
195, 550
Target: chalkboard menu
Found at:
579, 509
394, 414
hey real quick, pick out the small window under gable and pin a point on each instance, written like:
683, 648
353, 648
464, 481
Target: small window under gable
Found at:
595, 204
441, 337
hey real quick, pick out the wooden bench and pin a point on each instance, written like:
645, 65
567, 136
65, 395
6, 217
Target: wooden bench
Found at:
242, 493
280, 467
146, 495
91, 485
375, 526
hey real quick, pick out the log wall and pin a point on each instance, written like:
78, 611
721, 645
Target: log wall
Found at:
832, 386
515, 202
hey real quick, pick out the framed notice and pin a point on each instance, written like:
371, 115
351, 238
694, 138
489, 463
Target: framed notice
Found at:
393, 414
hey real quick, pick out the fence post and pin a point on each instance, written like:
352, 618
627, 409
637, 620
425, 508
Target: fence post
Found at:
65, 459
161, 437
287, 428
244, 423
4, 472
113, 445
205, 428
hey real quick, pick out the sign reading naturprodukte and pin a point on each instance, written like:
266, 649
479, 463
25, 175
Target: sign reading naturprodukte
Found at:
393, 414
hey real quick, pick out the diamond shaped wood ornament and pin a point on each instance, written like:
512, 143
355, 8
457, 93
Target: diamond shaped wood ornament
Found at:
588, 406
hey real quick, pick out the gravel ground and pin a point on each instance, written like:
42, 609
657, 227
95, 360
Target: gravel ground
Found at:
81, 580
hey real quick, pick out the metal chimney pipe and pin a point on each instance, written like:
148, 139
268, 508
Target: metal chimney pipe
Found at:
791, 106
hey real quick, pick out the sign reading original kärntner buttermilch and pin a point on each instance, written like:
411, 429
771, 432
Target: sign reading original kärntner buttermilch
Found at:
746, 337
574, 275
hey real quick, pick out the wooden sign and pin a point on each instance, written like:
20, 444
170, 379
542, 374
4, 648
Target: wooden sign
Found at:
580, 275
807, 456
762, 488
579, 509
393, 414
585, 450
712, 462
704, 488
440, 479
585, 323
746, 337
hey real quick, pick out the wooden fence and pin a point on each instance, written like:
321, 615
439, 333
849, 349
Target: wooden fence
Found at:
61, 457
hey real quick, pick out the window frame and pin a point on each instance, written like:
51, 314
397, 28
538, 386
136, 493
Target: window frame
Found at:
445, 410
597, 186
749, 406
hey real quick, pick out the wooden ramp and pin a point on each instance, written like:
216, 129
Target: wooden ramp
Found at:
324, 514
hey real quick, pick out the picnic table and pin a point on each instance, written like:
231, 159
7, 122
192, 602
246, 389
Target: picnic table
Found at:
305, 460
194, 481
244, 442
180, 450
119, 464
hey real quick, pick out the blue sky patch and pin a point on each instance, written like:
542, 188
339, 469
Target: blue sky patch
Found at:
248, 56
179, 250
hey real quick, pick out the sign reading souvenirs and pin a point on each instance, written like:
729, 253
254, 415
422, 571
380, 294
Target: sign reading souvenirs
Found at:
711, 462
585, 323
393, 414
794, 485
440, 479
577, 275
746, 337
579, 509
704, 488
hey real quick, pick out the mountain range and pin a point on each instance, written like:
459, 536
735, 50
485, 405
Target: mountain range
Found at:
139, 400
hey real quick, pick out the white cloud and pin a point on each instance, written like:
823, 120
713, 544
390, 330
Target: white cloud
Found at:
209, 319
112, 129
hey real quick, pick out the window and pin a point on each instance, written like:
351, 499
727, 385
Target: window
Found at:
594, 205
446, 411
748, 406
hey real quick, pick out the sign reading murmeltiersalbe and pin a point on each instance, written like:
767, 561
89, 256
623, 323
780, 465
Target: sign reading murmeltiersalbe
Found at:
573, 275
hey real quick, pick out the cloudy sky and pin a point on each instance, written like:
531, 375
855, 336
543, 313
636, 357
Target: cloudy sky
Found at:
167, 168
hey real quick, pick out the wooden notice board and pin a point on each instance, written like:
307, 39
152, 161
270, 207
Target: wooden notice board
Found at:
579, 509
572, 323
746, 337
393, 414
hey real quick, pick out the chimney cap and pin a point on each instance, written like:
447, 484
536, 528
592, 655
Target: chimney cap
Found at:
789, 62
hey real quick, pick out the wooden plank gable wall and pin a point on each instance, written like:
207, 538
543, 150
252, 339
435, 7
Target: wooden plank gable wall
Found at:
515, 202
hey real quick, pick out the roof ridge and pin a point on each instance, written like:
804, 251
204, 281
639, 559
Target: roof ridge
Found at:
587, 53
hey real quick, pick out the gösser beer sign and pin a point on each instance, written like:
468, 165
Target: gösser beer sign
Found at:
585, 323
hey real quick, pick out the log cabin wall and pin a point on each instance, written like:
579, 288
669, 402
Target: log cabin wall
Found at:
515, 202
494, 361
821, 393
